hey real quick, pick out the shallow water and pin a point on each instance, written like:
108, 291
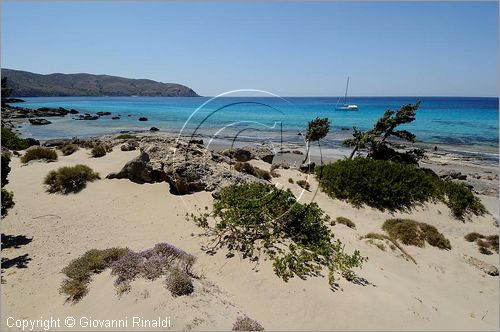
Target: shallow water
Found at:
469, 124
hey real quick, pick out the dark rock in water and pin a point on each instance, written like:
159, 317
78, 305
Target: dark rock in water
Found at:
47, 111
137, 170
196, 141
154, 129
307, 168
39, 122
73, 111
32, 141
115, 118
129, 115
103, 113
87, 117
143, 119
345, 128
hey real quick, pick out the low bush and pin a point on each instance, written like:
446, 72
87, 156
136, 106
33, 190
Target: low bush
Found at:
126, 136
5, 168
128, 265
7, 201
98, 151
415, 233
485, 243
70, 179
303, 184
39, 153
247, 168
12, 141
290, 180
179, 283
388, 185
79, 271
346, 221
247, 324
295, 236
69, 149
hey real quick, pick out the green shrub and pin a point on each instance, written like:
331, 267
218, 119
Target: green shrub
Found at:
5, 168
345, 221
11, 141
303, 184
247, 324
247, 168
414, 233
256, 218
7, 201
126, 136
377, 183
98, 151
179, 283
460, 199
393, 186
79, 271
39, 153
290, 180
70, 179
69, 149
472, 237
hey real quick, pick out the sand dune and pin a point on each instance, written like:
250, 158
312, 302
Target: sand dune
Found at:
440, 292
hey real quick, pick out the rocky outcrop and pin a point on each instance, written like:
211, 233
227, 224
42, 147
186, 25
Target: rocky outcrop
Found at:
130, 145
143, 118
187, 167
481, 265
154, 129
103, 113
39, 122
73, 111
115, 118
87, 116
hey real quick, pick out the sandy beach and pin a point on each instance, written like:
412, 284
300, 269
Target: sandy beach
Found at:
440, 292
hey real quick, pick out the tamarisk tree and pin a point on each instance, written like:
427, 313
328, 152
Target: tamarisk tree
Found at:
316, 130
376, 140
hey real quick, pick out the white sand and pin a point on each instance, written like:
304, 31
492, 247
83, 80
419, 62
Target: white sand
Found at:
442, 292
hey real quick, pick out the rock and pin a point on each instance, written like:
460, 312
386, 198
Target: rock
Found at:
143, 119
345, 128
115, 118
297, 152
47, 111
137, 170
130, 145
73, 111
32, 142
241, 155
307, 168
39, 122
195, 141
154, 129
87, 116
12, 100
481, 265
452, 175
56, 142
103, 113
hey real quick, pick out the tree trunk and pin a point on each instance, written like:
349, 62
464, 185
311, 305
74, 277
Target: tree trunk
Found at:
353, 152
308, 144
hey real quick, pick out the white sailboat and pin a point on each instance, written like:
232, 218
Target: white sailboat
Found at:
346, 106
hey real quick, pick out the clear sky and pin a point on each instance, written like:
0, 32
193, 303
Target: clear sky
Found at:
291, 49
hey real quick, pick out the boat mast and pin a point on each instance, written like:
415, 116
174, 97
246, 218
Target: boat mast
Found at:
346, 88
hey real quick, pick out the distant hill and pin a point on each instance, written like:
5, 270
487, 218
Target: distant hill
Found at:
26, 84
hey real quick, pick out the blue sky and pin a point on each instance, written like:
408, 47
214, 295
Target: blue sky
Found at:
291, 49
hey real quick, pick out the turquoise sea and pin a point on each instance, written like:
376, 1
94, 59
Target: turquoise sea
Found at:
467, 124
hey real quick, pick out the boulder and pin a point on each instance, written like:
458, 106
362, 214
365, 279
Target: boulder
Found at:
143, 118
154, 129
130, 145
39, 122
115, 118
48, 111
195, 141
481, 265
32, 141
103, 113
87, 117
73, 111
238, 154
137, 170
307, 168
